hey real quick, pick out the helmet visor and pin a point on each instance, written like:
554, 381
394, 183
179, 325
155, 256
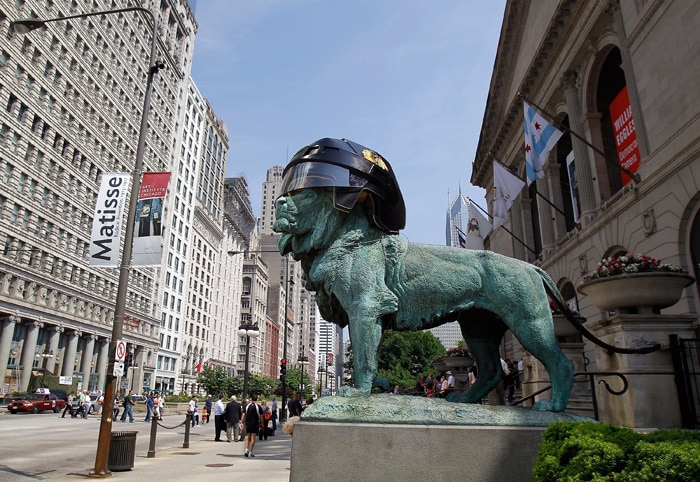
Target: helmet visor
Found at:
319, 174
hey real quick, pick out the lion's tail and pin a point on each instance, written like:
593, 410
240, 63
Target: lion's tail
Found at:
576, 320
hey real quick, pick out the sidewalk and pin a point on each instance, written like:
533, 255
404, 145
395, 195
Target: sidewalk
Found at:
216, 461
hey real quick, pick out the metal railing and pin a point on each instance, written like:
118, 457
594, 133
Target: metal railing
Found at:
591, 380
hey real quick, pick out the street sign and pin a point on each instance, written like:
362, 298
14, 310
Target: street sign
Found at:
120, 352
118, 369
125, 383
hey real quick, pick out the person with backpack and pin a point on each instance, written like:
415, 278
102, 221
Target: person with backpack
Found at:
265, 421
251, 420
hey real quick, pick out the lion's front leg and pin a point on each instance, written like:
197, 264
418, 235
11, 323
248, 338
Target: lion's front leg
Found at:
365, 336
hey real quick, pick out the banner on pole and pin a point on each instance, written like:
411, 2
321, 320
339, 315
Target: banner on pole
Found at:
108, 219
149, 217
625, 134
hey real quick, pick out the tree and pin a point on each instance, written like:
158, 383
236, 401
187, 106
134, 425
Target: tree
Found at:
294, 380
405, 356
214, 380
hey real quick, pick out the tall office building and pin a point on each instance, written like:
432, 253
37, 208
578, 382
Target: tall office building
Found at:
193, 254
450, 334
72, 97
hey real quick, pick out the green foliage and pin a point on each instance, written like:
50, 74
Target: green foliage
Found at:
603, 452
405, 356
213, 380
179, 398
294, 380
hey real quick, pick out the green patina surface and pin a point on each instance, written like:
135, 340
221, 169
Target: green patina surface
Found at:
369, 281
398, 409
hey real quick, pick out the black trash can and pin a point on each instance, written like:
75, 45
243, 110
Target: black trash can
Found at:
122, 450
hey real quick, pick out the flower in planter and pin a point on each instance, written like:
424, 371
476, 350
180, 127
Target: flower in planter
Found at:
630, 263
458, 351
439, 358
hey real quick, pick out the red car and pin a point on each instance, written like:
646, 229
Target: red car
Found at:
36, 402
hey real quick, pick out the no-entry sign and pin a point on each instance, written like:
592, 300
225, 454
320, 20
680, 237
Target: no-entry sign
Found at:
120, 352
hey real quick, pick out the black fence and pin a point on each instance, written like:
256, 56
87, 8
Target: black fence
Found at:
686, 366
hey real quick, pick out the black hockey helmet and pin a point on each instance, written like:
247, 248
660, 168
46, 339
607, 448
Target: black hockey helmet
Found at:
350, 169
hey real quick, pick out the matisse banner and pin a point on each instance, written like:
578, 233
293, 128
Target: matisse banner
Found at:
108, 219
148, 230
625, 135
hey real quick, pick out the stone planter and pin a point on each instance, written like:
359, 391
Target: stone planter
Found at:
440, 366
562, 327
636, 292
459, 363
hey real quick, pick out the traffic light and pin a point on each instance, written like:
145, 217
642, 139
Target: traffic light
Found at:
283, 367
127, 363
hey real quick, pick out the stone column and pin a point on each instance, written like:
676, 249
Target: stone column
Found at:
630, 81
584, 172
54, 334
29, 353
546, 212
69, 354
137, 371
102, 362
7, 329
86, 361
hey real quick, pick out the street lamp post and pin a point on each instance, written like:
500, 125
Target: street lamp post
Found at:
103, 441
288, 283
249, 330
303, 360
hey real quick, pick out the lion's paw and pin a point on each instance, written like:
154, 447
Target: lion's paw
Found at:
346, 391
543, 406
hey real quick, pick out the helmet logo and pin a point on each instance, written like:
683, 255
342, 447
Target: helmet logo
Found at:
374, 158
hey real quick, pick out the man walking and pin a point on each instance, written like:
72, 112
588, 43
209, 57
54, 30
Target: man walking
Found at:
150, 403
251, 420
219, 423
128, 407
232, 415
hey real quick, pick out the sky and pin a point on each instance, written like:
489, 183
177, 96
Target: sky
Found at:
406, 78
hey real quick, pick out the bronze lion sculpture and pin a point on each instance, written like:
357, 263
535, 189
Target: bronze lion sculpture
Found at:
370, 279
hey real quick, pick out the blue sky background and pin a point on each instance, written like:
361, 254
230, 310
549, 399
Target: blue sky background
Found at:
407, 78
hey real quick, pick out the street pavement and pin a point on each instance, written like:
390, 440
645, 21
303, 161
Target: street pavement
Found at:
45, 446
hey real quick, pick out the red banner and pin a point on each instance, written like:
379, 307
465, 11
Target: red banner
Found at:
148, 230
625, 135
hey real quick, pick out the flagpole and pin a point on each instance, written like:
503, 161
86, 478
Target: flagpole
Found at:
635, 177
506, 229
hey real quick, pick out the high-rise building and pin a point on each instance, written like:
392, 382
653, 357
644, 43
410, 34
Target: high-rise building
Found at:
71, 98
197, 203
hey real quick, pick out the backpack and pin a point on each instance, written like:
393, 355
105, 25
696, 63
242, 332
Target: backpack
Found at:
267, 416
250, 414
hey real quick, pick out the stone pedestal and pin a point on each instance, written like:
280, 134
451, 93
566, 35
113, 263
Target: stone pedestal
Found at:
651, 400
326, 451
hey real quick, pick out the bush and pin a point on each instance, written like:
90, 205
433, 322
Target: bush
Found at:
603, 452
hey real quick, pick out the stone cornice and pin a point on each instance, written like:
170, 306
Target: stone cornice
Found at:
499, 116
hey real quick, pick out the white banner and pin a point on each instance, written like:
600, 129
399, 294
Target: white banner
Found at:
108, 219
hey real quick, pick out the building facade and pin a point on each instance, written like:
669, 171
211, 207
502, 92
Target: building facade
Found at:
72, 95
577, 62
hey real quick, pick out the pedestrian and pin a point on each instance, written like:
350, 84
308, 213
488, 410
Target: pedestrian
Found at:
150, 403
429, 383
69, 405
207, 407
128, 407
294, 406
86, 404
115, 407
219, 424
159, 403
232, 415
275, 414
194, 406
251, 420
265, 421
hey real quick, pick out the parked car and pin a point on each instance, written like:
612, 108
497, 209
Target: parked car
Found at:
36, 402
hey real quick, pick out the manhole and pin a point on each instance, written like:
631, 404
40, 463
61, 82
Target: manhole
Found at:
186, 453
218, 465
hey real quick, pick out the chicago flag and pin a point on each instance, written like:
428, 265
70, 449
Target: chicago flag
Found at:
540, 139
